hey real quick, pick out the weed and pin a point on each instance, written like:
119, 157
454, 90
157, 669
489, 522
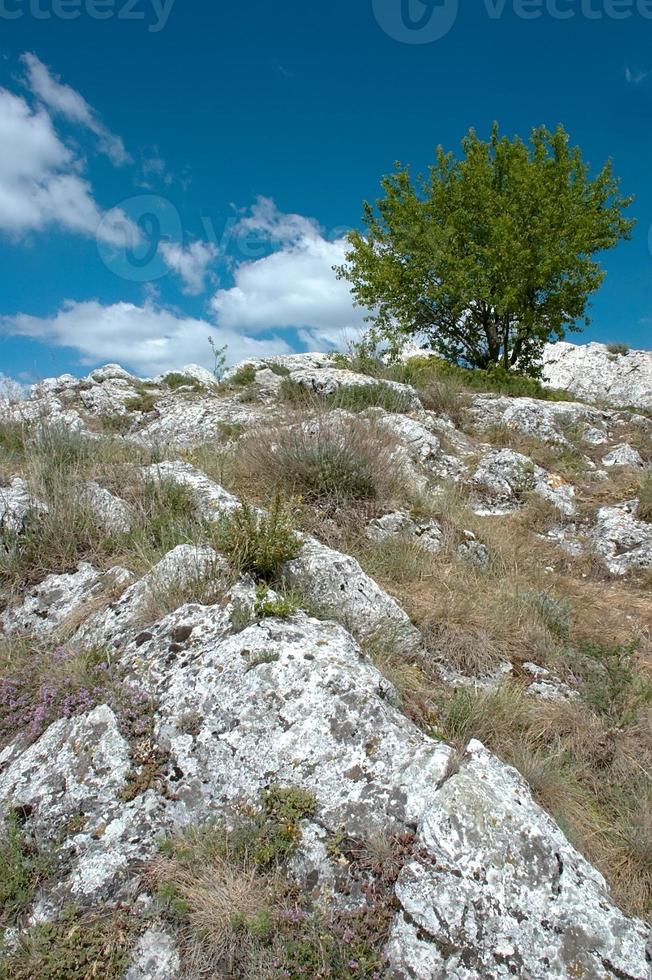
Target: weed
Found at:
279, 606
258, 543
75, 947
352, 398
618, 348
23, 867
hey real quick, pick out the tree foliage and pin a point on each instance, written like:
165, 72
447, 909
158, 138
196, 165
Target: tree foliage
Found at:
489, 256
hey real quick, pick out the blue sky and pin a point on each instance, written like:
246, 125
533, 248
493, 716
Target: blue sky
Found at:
178, 169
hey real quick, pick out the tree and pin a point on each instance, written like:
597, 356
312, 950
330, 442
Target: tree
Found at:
489, 256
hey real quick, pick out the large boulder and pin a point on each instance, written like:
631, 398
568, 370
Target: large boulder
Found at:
593, 372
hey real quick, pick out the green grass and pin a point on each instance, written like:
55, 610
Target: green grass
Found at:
236, 912
144, 402
23, 868
244, 376
175, 379
352, 398
424, 370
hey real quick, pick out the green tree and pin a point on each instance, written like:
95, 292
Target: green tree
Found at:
489, 256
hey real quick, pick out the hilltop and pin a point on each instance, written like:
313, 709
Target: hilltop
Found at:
330, 669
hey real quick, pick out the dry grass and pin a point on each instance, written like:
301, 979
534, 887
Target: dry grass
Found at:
324, 460
229, 906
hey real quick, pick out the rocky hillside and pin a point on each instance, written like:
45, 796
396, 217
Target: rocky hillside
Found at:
327, 672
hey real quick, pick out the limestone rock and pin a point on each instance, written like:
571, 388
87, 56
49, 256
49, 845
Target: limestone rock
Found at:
18, 507
503, 893
428, 534
56, 600
111, 511
624, 542
623, 455
506, 477
339, 588
590, 371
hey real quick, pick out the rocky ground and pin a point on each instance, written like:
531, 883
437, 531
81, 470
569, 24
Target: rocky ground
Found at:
328, 669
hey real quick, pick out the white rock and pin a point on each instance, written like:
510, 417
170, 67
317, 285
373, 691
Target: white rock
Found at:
623, 455
154, 957
180, 568
590, 371
18, 507
112, 372
111, 511
54, 601
505, 477
428, 534
534, 417
624, 542
339, 588
503, 892
211, 500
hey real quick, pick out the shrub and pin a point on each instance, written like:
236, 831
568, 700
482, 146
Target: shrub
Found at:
644, 509
244, 376
39, 686
323, 460
175, 379
144, 402
258, 543
279, 606
618, 348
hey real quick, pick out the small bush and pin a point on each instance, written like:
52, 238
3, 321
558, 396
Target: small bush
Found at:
618, 348
244, 376
257, 543
22, 869
279, 607
322, 461
175, 379
427, 369
644, 509
144, 402
278, 369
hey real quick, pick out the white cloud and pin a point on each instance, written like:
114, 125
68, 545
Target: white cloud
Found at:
40, 182
292, 287
635, 76
67, 102
147, 339
190, 263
